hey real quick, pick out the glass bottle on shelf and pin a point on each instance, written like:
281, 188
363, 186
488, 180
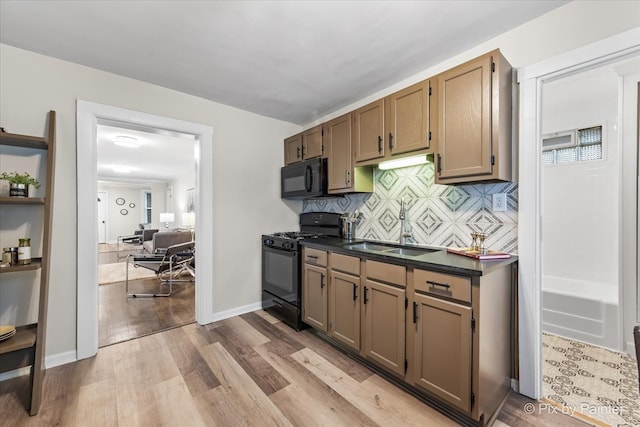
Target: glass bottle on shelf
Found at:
24, 251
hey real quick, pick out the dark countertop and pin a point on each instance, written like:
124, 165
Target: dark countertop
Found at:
439, 260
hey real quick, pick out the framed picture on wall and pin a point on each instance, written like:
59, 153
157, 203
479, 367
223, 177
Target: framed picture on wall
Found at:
191, 200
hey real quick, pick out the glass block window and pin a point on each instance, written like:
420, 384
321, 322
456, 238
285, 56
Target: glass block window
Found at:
586, 145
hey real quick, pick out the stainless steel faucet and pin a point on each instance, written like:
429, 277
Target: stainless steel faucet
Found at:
405, 228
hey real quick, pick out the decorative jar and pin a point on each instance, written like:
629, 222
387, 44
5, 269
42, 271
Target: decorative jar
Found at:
24, 251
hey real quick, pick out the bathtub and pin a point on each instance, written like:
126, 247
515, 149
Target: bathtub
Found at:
585, 311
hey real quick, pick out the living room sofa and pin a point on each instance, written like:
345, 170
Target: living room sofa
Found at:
163, 239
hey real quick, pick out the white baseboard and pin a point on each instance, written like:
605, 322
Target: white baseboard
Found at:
630, 348
60, 359
49, 362
237, 311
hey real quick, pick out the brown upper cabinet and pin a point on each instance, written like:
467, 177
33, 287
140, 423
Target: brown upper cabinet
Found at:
343, 177
303, 146
293, 149
312, 143
472, 128
462, 115
395, 125
407, 119
368, 128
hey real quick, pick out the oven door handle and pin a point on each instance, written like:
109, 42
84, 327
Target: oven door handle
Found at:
286, 252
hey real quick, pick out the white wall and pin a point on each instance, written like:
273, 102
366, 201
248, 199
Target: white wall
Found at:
580, 201
247, 153
179, 187
124, 225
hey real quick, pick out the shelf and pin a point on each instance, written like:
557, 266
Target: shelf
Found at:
27, 346
36, 264
24, 141
22, 200
24, 338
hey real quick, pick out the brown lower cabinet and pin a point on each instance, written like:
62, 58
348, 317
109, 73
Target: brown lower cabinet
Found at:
442, 349
383, 303
344, 308
446, 336
314, 289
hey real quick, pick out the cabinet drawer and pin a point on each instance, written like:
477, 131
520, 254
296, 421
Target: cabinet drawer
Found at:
345, 263
455, 287
390, 273
315, 256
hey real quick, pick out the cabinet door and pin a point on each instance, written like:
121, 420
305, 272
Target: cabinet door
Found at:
293, 149
314, 297
464, 120
344, 308
384, 325
368, 131
443, 349
407, 119
337, 137
312, 143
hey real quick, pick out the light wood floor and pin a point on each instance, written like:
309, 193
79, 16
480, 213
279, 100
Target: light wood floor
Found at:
244, 371
122, 318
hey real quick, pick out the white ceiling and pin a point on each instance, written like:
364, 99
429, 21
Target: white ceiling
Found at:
161, 156
291, 60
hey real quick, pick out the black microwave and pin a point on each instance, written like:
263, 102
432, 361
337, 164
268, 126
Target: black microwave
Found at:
304, 180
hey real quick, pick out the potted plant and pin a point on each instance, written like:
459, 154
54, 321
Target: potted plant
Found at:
19, 183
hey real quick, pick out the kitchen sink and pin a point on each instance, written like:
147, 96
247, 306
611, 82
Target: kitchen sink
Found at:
409, 251
390, 249
369, 246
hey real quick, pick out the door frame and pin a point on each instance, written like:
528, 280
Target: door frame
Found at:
87, 115
530, 79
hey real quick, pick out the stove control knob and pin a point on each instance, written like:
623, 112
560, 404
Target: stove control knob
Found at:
268, 242
287, 245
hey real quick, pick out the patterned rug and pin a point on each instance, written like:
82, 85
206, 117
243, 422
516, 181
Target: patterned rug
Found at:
112, 273
113, 247
589, 382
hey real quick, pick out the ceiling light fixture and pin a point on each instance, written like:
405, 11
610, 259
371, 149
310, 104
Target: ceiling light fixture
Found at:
404, 162
122, 169
126, 141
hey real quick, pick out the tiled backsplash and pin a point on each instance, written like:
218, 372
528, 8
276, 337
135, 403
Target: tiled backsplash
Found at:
439, 215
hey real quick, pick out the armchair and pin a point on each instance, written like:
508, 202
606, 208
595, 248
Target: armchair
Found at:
137, 238
168, 266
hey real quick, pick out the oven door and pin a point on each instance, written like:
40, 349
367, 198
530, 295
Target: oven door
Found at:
281, 274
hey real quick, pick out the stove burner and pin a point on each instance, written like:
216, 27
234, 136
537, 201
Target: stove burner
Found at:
297, 235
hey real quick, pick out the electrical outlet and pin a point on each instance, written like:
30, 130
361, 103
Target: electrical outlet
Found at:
500, 202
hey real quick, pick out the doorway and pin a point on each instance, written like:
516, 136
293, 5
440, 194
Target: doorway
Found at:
88, 116
531, 80
585, 364
148, 173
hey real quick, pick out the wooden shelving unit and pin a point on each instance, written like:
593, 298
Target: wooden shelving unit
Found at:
27, 346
